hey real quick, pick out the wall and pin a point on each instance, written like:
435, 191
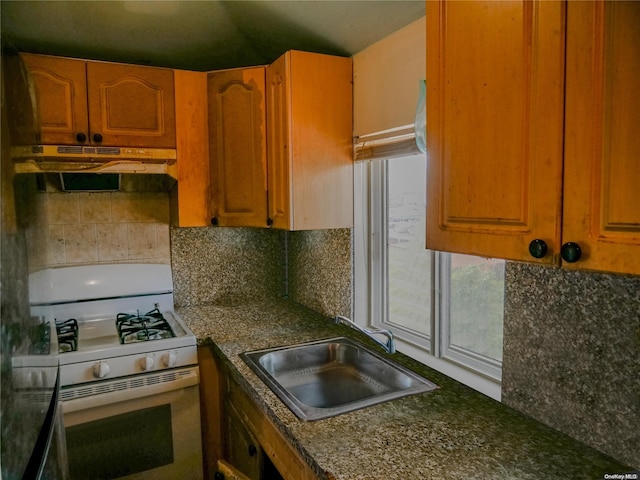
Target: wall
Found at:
100, 227
320, 266
572, 354
385, 77
224, 266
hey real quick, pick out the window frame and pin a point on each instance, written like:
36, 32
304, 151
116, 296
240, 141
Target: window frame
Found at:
371, 294
477, 362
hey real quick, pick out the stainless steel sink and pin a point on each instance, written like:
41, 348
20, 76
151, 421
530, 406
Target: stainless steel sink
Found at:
328, 377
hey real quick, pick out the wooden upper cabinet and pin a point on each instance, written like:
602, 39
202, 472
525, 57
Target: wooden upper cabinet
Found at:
61, 98
238, 147
512, 157
190, 196
494, 127
131, 105
279, 98
100, 103
602, 149
309, 141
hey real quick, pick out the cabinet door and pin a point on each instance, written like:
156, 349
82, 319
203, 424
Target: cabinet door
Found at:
602, 149
190, 196
211, 408
321, 141
494, 126
61, 98
237, 135
131, 106
279, 141
310, 145
286, 460
243, 450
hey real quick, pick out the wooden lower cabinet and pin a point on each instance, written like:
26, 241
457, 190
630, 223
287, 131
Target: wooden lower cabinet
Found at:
211, 391
244, 455
239, 441
241, 447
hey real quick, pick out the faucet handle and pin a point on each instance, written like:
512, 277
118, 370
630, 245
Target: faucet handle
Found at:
389, 345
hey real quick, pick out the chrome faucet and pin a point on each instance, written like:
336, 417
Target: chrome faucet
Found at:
389, 345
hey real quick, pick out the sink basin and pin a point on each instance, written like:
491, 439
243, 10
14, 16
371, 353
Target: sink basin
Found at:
329, 377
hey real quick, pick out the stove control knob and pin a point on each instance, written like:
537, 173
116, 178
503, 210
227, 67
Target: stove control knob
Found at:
101, 369
169, 359
147, 362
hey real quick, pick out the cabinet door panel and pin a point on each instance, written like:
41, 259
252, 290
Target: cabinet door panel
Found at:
237, 118
190, 197
61, 96
279, 142
494, 126
243, 450
310, 144
322, 141
602, 150
131, 105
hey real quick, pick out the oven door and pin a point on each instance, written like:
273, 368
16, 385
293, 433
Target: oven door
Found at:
150, 431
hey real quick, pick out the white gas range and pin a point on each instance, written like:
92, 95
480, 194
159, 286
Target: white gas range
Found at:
124, 354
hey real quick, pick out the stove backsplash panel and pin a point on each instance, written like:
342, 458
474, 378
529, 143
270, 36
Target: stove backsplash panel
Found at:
96, 227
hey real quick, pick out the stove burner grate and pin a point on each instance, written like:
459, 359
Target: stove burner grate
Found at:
67, 331
134, 328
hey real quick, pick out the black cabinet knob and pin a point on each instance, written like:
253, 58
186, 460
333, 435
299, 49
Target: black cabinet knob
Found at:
214, 221
538, 248
269, 222
570, 252
218, 476
97, 138
81, 137
252, 450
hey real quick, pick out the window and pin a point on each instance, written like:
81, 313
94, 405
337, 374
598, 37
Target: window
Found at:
445, 309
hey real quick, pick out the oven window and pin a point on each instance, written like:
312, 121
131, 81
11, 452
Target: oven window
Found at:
121, 445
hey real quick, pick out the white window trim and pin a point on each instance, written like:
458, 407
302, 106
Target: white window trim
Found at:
483, 365
436, 355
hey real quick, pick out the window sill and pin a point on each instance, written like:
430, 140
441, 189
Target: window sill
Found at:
489, 387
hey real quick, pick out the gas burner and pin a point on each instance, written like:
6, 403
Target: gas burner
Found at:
141, 328
67, 335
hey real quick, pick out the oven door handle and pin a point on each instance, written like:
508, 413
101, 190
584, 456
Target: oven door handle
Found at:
110, 398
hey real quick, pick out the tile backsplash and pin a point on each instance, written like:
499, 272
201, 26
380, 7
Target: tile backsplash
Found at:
98, 227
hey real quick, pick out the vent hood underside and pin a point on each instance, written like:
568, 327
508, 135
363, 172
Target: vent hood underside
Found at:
92, 159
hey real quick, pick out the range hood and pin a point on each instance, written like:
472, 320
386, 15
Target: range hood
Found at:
92, 159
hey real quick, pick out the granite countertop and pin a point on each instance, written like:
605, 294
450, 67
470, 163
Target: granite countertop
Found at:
452, 432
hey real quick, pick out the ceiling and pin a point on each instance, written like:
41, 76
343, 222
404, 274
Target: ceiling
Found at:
200, 35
